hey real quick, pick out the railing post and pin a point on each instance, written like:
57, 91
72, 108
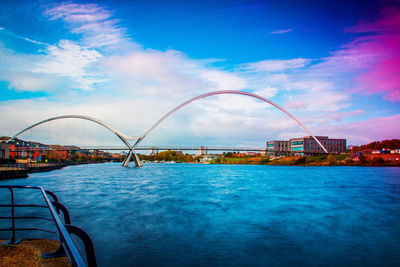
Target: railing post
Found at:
87, 242
54, 196
13, 240
60, 207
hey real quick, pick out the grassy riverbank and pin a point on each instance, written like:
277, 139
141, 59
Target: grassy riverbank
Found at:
330, 160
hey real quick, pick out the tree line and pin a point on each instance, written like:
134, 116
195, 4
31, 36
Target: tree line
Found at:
170, 156
379, 145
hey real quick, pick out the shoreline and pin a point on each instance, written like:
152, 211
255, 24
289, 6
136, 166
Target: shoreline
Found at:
312, 165
18, 170
281, 164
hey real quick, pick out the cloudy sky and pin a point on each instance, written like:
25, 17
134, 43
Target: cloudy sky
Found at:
335, 65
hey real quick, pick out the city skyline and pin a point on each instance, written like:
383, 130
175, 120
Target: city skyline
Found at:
333, 65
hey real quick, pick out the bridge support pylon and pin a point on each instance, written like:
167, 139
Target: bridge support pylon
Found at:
136, 159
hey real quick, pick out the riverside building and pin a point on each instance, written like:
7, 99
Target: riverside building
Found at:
305, 146
278, 148
20, 149
4, 151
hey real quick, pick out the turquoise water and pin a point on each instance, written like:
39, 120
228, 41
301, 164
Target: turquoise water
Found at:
232, 215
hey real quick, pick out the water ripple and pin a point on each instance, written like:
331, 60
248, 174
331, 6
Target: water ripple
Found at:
223, 215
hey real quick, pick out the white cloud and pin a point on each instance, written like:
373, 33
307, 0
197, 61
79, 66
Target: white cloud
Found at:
63, 66
7, 32
296, 104
153, 73
90, 20
171, 73
267, 92
319, 95
70, 60
281, 31
16, 68
276, 65
10, 60
27, 81
222, 80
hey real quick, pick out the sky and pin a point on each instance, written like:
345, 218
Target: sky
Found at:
334, 65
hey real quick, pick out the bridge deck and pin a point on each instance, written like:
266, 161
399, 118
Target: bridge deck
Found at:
140, 148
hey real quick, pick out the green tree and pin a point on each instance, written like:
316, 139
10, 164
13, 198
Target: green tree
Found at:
82, 157
73, 155
264, 161
228, 155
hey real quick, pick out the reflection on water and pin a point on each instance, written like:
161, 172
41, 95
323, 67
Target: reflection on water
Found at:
224, 215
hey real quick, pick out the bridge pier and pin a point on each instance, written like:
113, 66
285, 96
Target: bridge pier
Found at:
203, 151
154, 151
136, 159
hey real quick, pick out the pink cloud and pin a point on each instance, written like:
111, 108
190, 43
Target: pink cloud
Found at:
296, 104
365, 131
91, 20
380, 53
340, 115
77, 12
384, 77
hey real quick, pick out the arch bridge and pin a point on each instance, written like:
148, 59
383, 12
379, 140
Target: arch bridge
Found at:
139, 138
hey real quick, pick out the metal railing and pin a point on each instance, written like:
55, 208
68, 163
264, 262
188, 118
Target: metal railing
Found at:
102, 148
64, 229
13, 166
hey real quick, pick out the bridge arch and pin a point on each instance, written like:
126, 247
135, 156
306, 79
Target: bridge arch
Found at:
120, 135
138, 138
141, 136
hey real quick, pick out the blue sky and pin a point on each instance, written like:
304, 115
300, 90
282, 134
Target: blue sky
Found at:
333, 64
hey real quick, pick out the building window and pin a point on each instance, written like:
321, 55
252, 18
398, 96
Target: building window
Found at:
294, 143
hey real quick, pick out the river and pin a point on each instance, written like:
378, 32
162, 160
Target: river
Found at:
232, 215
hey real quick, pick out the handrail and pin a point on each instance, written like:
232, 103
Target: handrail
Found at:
68, 247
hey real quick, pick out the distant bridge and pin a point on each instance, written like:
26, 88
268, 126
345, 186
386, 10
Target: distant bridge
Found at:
152, 148
178, 148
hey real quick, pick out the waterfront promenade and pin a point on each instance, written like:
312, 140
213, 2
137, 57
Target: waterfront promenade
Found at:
10, 171
21, 170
